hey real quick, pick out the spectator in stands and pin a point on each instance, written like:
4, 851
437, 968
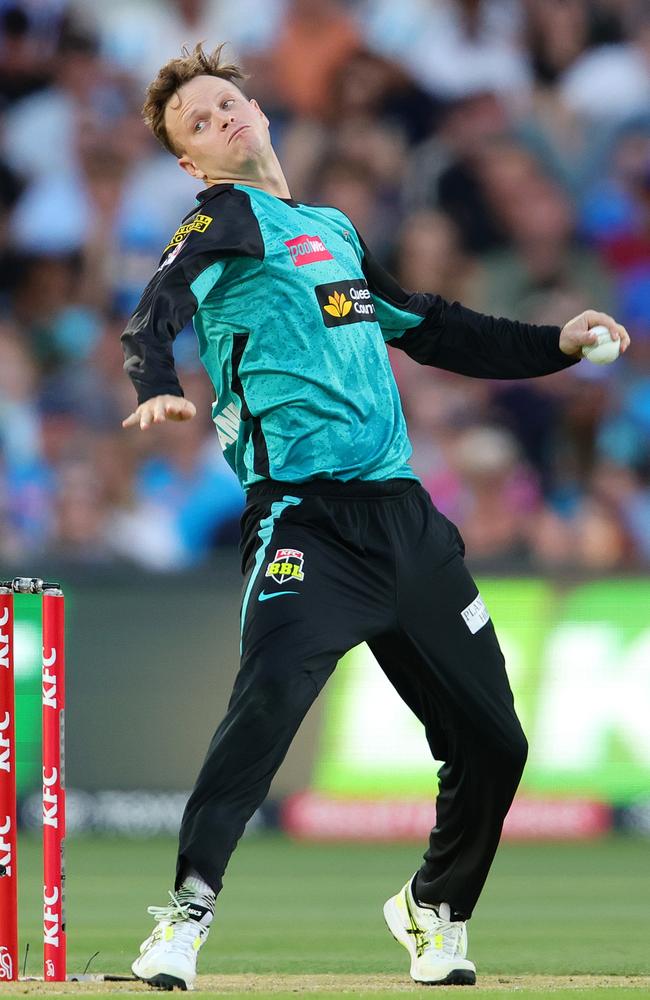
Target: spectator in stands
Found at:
461, 140
541, 269
136, 36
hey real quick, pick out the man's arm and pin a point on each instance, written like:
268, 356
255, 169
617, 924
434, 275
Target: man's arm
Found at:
191, 265
454, 338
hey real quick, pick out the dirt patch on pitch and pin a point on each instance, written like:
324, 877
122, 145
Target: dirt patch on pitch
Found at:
300, 984
397, 984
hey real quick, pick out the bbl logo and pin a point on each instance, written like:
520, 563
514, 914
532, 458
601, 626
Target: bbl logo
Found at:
287, 565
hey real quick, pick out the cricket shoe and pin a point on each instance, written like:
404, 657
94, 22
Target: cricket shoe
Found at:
436, 944
168, 957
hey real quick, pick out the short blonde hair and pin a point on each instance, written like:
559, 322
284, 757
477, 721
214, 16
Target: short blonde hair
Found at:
173, 75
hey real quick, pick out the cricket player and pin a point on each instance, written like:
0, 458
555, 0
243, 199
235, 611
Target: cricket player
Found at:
340, 543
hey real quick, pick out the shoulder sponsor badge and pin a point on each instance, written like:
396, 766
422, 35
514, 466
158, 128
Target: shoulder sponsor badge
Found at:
286, 565
197, 224
344, 302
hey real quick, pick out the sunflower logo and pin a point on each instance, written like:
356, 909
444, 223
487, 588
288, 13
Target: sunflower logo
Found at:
338, 305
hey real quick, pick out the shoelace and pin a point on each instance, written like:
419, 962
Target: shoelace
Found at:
174, 912
451, 932
186, 929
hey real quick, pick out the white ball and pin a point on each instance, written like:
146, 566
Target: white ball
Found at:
605, 350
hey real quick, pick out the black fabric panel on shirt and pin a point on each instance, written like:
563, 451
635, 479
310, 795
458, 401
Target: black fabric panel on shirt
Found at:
168, 303
261, 465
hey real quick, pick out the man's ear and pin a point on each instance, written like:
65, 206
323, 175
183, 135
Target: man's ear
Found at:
259, 111
190, 167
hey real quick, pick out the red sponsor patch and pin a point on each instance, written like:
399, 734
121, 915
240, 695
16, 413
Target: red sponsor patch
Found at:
307, 250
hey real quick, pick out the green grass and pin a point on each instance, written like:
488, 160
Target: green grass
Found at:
300, 908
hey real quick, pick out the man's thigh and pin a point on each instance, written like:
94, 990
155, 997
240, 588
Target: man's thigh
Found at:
448, 627
307, 597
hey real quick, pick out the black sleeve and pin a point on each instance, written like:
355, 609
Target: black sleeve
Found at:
191, 264
450, 336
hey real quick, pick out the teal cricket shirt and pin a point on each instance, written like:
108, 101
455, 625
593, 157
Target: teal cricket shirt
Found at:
292, 316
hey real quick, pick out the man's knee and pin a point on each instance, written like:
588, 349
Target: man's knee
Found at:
276, 694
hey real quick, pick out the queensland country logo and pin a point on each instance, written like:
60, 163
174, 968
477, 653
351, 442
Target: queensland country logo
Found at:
337, 305
307, 250
197, 224
345, 302
286, 565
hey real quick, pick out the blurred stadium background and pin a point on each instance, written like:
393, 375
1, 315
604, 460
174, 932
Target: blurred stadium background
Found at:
493, 151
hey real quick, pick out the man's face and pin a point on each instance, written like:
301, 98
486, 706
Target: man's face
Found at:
221, 133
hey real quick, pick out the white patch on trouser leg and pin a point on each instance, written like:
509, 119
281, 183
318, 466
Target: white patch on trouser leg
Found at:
475, 615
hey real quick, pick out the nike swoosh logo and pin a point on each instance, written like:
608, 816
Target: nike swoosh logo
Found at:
280, 593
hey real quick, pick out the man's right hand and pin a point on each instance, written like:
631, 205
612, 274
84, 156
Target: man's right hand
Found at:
159, 409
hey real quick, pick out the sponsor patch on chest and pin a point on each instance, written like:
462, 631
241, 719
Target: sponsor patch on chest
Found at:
475, 615
343, 302
307, 250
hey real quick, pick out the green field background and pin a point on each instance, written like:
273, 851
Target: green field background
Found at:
307, 908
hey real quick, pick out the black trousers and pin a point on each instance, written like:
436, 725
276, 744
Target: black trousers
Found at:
330, 565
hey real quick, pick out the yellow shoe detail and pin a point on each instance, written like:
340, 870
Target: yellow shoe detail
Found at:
419, 934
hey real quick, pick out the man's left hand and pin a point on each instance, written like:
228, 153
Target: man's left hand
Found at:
576, 333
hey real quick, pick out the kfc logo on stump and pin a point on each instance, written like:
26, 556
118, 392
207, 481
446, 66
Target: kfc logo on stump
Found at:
6, 754
6, 965
6, 855
51, 917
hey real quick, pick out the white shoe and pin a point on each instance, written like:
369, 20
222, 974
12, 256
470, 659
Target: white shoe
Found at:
437, 946
168, 957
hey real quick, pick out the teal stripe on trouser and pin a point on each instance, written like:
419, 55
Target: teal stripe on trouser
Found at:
267, 525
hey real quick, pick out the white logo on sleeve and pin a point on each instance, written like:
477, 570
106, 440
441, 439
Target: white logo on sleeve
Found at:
475, 615
227, 423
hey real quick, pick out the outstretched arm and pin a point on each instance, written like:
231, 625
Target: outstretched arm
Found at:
452, 337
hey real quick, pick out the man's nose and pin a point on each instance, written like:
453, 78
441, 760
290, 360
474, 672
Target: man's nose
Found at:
228, 120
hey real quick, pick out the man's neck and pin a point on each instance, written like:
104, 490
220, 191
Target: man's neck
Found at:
265, 177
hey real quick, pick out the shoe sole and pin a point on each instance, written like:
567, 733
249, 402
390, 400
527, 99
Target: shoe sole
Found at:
458, 977
455, 977
164, 982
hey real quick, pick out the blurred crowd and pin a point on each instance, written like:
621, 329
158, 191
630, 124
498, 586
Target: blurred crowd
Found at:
494, 151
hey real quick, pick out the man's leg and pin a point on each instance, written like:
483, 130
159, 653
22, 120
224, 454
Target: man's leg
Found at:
275, 687
307, 600
446, 663
477, 780
294, 631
